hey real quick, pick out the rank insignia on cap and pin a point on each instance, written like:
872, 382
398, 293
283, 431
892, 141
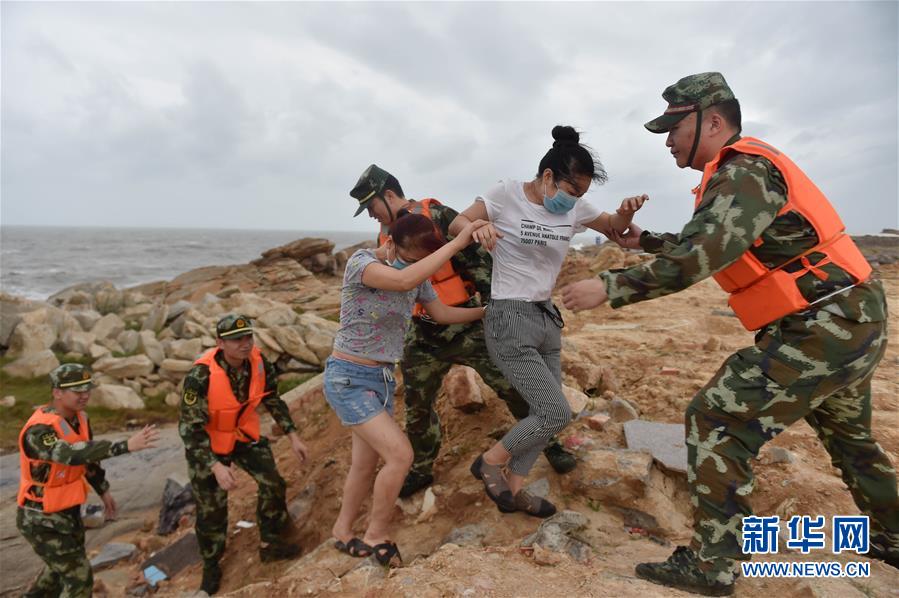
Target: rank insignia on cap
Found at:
240, 324
49, 439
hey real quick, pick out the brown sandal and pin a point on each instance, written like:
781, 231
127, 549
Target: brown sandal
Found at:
495, 485
534, 505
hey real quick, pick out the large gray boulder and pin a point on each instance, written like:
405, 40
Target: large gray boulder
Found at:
35, 331
33, 365
150, 347
109, 300
129, 340
113, 396
279, 316
318, 333
156, 319
290, 339
188, 349
109, 327
77, 342
87, 318
124, 367
174, 370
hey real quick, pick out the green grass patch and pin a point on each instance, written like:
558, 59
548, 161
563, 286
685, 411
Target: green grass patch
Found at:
33, 393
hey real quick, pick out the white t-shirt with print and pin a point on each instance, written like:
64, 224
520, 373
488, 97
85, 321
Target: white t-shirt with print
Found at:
527, 259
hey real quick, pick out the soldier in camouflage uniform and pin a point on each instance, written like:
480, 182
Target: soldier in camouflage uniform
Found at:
431, 349
212, 475
816, 364
57, 536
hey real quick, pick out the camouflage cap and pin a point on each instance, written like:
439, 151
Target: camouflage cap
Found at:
72, 376
234, 326
368, 186
692, 93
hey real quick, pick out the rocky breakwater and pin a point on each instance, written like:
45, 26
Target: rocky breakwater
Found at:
142, 341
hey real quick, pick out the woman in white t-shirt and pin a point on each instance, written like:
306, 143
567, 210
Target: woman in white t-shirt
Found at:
530, 229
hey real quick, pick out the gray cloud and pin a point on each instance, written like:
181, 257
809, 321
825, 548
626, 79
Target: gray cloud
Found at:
262, 115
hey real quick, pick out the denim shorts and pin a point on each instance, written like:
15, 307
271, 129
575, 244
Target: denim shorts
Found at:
358, 392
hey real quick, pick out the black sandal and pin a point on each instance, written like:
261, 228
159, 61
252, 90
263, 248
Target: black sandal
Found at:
355, 547
388, 555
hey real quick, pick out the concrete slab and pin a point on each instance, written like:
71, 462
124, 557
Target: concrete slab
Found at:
177, 556
664, 441
112, 553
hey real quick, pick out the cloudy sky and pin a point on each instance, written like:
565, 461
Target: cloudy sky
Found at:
262, 115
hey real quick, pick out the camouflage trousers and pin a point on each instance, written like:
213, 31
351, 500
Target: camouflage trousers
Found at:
817, 367
58, 539
430, 351
212, 502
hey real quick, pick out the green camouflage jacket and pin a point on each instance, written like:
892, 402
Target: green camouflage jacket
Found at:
42, 443
195, 405
740, 205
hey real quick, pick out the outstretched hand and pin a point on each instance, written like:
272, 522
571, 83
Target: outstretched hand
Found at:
584, 294
144, 439
629, 205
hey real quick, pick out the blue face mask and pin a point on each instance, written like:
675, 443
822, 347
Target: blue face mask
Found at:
397, 263
559, 203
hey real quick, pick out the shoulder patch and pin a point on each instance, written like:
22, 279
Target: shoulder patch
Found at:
49, 439
190, 397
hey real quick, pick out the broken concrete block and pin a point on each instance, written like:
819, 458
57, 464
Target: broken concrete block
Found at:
664, 441
175, 557
621, 411
177, 499
112, 553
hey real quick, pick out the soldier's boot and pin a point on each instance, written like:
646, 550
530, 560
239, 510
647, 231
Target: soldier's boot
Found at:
878, 548
414, 482
682, 571
212, 578
278, 551
559, 459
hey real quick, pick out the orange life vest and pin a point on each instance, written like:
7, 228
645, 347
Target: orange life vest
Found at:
65, 486
230, 420
760, 295
449, 286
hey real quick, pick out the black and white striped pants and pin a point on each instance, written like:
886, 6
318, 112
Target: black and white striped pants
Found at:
524, 339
